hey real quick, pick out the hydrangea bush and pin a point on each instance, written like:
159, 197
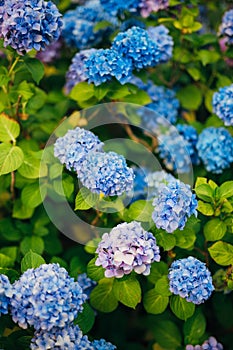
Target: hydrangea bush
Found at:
150, 265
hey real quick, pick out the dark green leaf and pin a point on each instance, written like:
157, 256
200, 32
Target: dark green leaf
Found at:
86, 318
102, 297
34, 243
155, 303
181, 308
95, 272
35, 67
127, 290
31, 260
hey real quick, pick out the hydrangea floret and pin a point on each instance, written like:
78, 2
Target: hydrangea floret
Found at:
5, 294
209, 344
126, 248
223, 104
226, 27
148, 6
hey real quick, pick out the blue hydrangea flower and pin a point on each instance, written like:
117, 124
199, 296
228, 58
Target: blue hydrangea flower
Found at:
106, 173
68, 338
30, 24
148, 6
77, 71
128, 247
136, 45
86, 283
215, 148
190, 279
174, 151
226, 28
103, 65
139, 186
131, 22
115, 7
79, 25
223, 104
102, 345
156, 181
190, 134
5, 294
46, 297
72, 148
174, 204
163, 41
210, 344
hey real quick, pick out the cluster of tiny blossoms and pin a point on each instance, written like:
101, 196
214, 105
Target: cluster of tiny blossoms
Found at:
174, 204
190, 135
27, 25
86, 283
226, 28
209, 344
190, 279
148, 6
101, 172
46, 297
156, 181
128, 247
223, 104
215, 149
5, 294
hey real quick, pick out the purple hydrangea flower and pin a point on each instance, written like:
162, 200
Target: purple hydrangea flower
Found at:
191, 137
51, 52
163, 41
46, 297
74, 146
190, 279
215, 149
103, 65
148, 6
115, 7
210, 344
174, 204
106, 173
156, 182
29, 24
223, 104
226, 28
86, 283
77, 71
5, 294
128, 247
102, 345
68, 338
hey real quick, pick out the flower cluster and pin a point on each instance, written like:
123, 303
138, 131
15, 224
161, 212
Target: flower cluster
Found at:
46, 297
223, 104
215, 149
102, 65
27, 25
128, 247
190, 135
77, 71
226, 28
5, 294
102, 345
174, 151
164, 42
115, 7
68, 338
156, 181
148, 6
74, 147
51, 52
86, 283
139, 185
210, 344
79, 25
190, 279
106, 173
173, 206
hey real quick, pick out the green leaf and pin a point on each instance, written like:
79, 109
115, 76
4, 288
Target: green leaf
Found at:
6, 261
95, 272
222, 253
208, 56
102, 297
127, 290
200, 181
140, 98
118, 91
185, 238
24, 89
214, 230
33, 195
9, 128
82, 92
10, 251
21, 211
162, 286
11, 158
205, 192
194, 72
194, 327
34, 243
165, 240
205, 208
35, 67
86, 318
155, 303
167, 334
226, 189
32, 167
190, 97
158, 269
181, 307
141, 210
31, 260
85, 199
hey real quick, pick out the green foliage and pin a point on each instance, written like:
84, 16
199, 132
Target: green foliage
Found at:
102, 297
181, 308
31, 260
222, 253
127, 290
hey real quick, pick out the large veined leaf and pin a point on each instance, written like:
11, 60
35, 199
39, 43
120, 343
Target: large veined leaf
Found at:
11, 158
